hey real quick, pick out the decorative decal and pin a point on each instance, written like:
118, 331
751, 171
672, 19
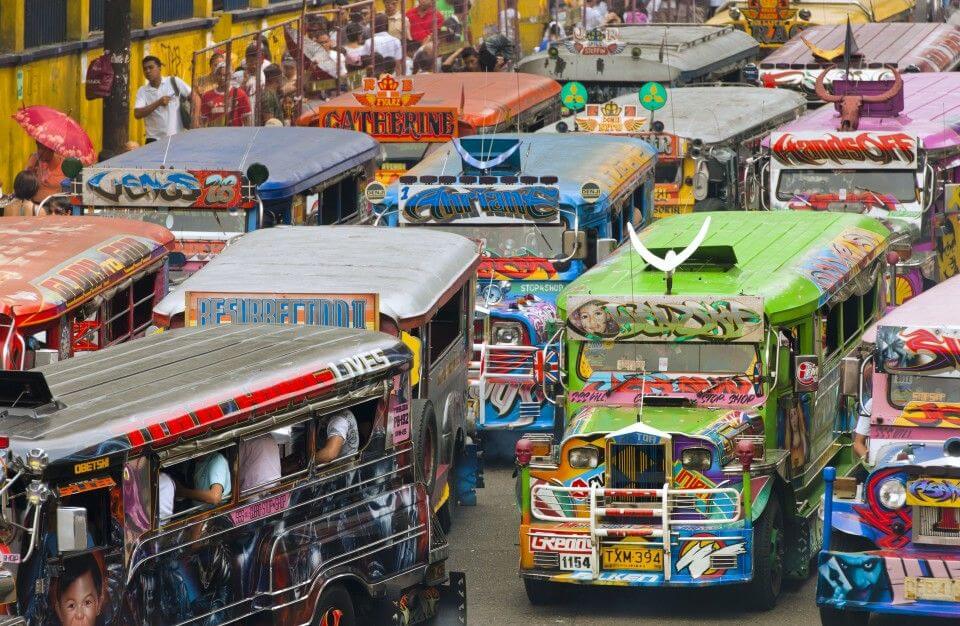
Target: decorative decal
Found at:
360, 310
595, 42
709, 557
828, 266
902, 350
420, 204
863, 149
130, 187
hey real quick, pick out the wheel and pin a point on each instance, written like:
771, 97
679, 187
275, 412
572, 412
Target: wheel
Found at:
448, 512
541, 592
335, 608
830, 616
768, 557
425, 443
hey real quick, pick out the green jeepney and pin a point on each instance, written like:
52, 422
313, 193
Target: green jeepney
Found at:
701, 404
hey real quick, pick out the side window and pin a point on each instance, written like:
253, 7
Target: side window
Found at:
446, 326
341, 435
144, 291
851, 318
831, 331
195, 485
260, 462
97, 504
870, 305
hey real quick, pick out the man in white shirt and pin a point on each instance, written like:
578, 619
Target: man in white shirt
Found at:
157, 103
592, 17
259, 462
165, 496
382, 43
343, 438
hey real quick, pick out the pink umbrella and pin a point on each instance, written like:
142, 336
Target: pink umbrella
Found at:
58, 131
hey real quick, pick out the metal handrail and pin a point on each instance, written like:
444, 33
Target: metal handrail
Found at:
676, 503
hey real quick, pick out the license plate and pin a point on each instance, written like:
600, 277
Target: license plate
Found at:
572, 562
942, 589
642, 558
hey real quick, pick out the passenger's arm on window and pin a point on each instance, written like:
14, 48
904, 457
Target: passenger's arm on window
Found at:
213, 495
330, 450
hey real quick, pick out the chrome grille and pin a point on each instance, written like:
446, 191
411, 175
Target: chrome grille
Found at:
636, 466
546, 560
930, 527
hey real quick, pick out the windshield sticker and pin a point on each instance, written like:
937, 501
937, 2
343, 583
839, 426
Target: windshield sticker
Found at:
627, 389
611, 119
130, 187
866, 150
666, 318
505, 204
360, 310
828, 266
919, 351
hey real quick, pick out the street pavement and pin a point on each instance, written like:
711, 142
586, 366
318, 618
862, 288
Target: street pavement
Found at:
483, 543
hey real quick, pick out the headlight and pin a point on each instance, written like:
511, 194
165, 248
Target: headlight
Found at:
507, 334
582, 458
893, 494
699, 459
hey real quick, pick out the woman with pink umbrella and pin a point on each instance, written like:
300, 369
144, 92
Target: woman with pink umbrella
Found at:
58, 136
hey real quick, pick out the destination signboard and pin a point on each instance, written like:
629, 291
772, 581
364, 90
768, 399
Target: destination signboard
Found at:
345, 310
135, 187
445, 204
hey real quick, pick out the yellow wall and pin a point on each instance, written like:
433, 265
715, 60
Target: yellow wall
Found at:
58, 82
485, 12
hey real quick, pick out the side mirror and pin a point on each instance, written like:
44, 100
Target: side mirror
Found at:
605, 248
806, 368
701, 180
71, 528
575, 244
850, 376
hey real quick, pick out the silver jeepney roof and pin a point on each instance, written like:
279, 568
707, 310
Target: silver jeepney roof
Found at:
142, 391
411, 268
716, 114
691, 52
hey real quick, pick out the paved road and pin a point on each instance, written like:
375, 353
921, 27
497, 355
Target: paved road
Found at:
484, 545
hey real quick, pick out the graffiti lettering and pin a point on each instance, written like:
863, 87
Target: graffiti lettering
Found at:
354, 366
930, 415
87, 275
522, 268
720, 390
826, 267
423, 203
933, 491
666, 320
935, 352
840, 149
555, 543
162, 187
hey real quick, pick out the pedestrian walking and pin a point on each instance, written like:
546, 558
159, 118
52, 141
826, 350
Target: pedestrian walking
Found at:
159, 102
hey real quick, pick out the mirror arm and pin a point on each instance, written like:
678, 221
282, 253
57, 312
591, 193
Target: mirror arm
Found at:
33, 533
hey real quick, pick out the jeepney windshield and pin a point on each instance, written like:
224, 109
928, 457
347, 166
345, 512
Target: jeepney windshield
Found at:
903, 389
185, 220
686, 357
542, 241
667, 172
899, 184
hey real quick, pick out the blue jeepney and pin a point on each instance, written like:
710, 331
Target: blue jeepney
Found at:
210, 185
546, 207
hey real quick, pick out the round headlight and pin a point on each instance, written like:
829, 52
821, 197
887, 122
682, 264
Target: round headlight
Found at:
582, 458
699, 459
893, 494
506, 335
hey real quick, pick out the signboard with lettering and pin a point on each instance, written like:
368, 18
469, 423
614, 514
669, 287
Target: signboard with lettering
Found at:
346, 310
386, 110
830, 150
595, 42
666, 318
504, 204
611, 119
133, 187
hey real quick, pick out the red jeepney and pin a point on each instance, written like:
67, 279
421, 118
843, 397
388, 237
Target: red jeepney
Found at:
76, 284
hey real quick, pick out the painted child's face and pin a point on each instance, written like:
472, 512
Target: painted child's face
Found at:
79, 604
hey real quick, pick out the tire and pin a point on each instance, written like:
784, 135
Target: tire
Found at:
541, 592
830, 616
768, 557
335, 608
448, 512
426, 445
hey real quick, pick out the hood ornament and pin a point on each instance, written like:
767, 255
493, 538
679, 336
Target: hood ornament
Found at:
671, 260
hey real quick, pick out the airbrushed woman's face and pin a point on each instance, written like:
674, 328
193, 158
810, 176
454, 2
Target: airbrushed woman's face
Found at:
592, 318
79, 604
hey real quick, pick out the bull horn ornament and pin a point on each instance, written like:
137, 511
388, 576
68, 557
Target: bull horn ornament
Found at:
850, 105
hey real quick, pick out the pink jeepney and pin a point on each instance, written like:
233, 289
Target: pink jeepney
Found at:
908, 46
892, 531
896, 159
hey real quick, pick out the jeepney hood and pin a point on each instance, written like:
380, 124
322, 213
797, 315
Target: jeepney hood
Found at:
720, 426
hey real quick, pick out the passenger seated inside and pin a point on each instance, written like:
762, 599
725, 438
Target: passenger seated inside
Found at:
342, 438
167, 489
211, 480
259, 462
